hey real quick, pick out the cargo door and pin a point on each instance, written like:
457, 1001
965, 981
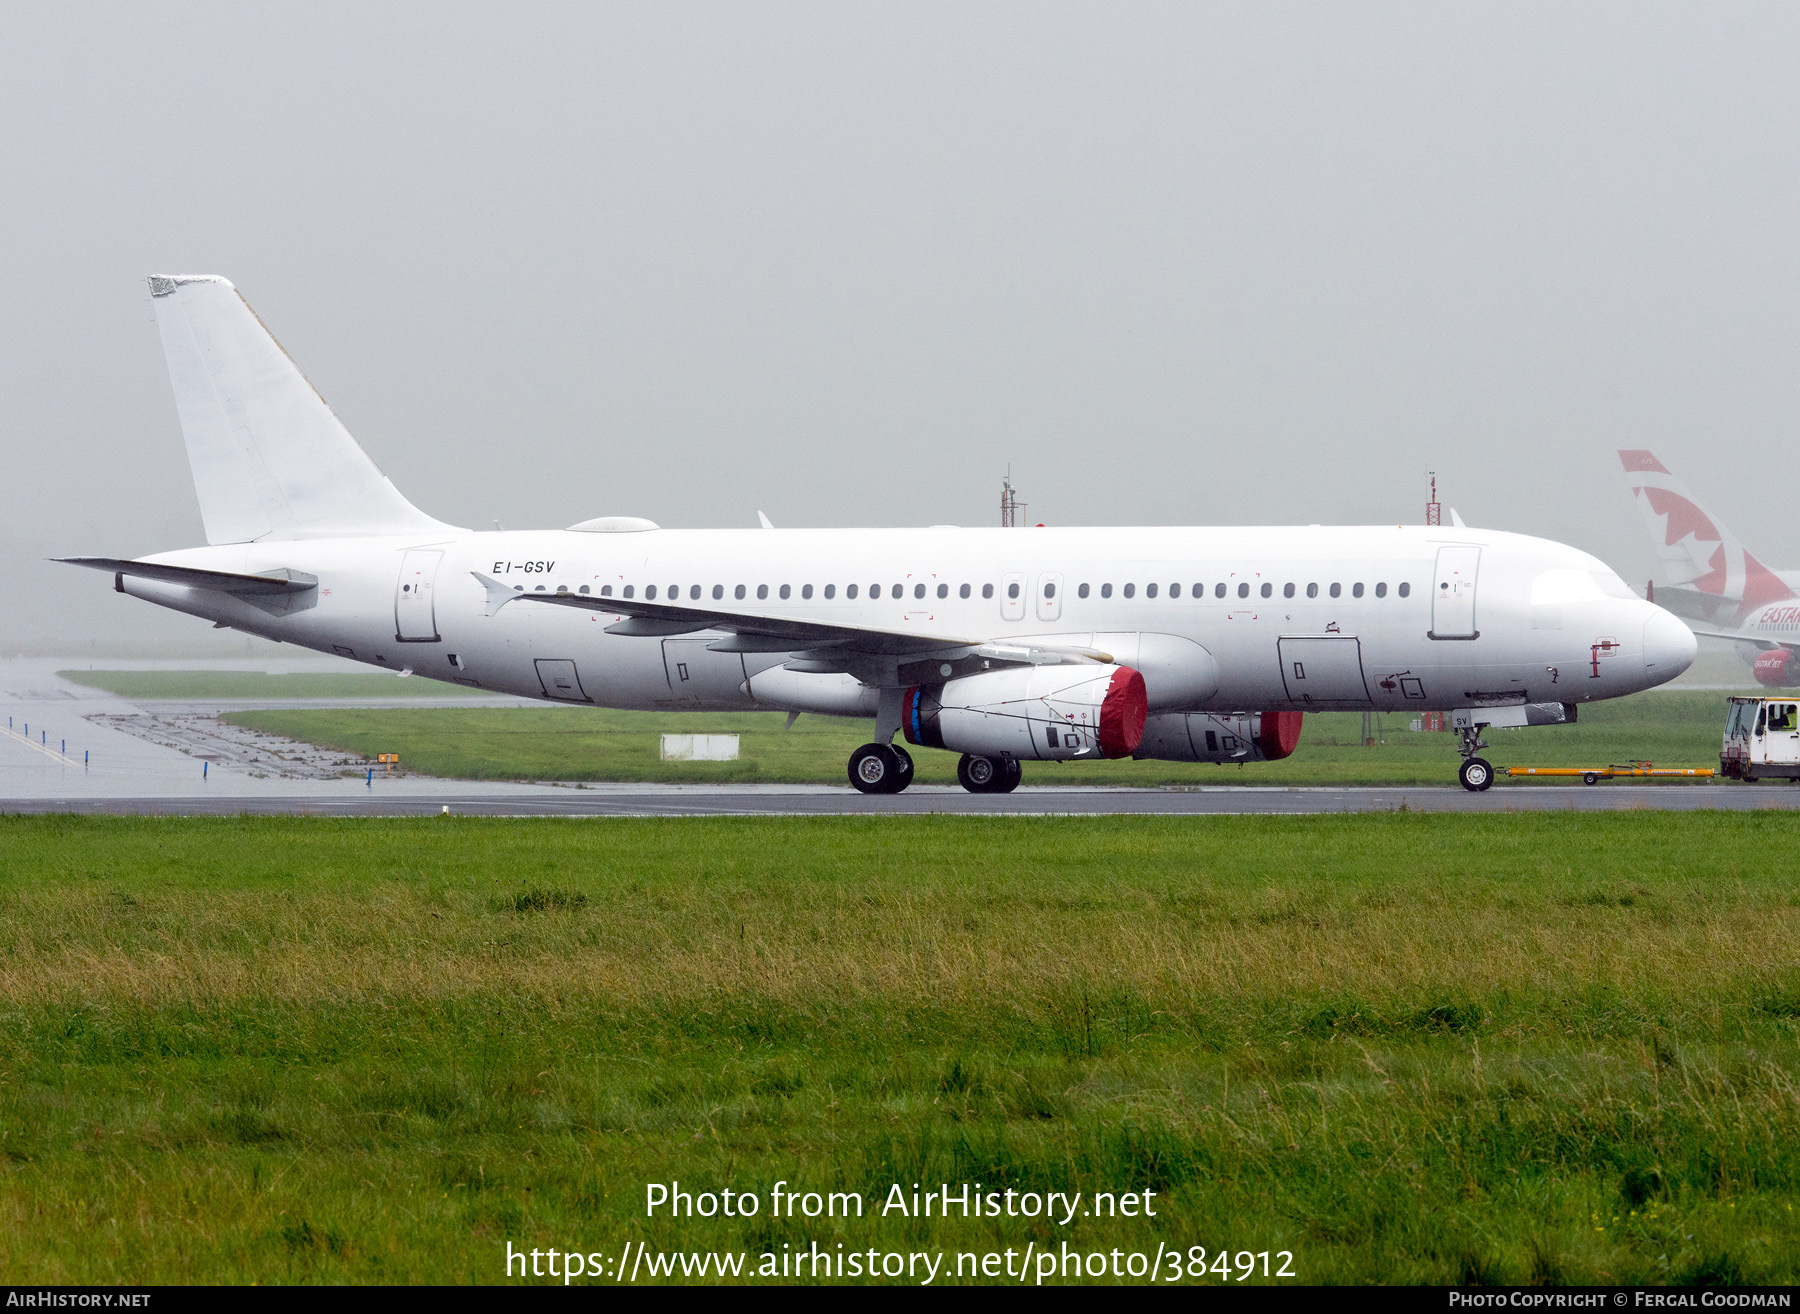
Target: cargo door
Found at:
1049, 596
1453, 594
1323, 670
415, 608
699, 677
560, 680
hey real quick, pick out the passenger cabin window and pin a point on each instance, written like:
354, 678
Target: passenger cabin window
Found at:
719, 592
649, 592
943, 590
1287, 590
1243, 590
1199, 590
1356, 589
694, 592
1381, 590
1336, 590
1130, 589
738, 593
582, 589
628, 589
1312, 590
786, 589
1106, 590
1268, 590
963, 592
1049, 590
1174, 590
1149, 590
606, 590
1219, 590
1082, 592
987, 590
830, 591
1012, 590
849, 592
1405, 589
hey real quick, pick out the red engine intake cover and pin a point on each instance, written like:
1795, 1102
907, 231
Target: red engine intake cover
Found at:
1774, 668
1280, 734
1122, 713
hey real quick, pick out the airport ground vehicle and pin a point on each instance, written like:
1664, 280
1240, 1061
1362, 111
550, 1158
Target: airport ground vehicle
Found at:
1762, 740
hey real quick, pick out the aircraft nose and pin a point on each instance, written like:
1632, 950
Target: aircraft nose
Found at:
1669, 646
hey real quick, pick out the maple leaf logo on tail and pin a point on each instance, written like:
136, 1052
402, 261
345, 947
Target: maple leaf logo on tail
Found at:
1696, 551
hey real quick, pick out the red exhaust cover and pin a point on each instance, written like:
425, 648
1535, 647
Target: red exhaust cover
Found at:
1773, 668
1122, 713
1280, 734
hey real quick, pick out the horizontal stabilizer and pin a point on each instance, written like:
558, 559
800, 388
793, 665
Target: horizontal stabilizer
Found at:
219, 581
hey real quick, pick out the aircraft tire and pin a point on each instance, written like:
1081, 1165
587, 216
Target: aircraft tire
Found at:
1476, 774
1011, 773
977, 774
875, 769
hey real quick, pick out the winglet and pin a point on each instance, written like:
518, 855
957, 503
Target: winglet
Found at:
766, 522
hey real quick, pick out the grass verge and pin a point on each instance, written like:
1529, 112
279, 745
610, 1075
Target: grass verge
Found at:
1404, 1047
527, 743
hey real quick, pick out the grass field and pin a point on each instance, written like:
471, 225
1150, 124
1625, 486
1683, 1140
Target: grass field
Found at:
1404, 1047
229, 686
1675, 729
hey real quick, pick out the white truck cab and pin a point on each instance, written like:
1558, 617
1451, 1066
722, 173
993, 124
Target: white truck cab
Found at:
1762, 739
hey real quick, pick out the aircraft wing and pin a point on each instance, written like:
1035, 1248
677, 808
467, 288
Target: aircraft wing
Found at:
817, 646
219, 581
1738, 637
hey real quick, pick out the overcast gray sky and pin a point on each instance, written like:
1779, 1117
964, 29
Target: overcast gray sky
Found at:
1177, 264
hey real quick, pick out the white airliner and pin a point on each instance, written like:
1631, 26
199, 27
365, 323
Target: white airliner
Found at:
1712, 577
1003, 645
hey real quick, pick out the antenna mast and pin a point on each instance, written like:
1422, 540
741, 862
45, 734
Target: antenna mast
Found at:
1012, 510
1433, 512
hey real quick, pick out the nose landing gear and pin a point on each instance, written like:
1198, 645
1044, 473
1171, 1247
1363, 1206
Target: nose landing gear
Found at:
989, 775
881, 769
1476, 773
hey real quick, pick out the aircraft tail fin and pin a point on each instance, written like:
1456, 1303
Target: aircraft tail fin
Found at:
1695, 550
270, 460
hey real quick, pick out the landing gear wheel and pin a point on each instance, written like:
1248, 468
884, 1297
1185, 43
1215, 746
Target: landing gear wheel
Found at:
978, 775
1590, 777
1476, 775
880, 769
1011, 773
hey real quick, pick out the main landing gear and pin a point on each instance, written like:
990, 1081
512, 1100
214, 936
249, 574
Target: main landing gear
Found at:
1476, 773
989, 775
881, 769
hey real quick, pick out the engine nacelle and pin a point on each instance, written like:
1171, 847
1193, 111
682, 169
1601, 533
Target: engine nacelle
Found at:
1050, 713
1222, 737
1774, 668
